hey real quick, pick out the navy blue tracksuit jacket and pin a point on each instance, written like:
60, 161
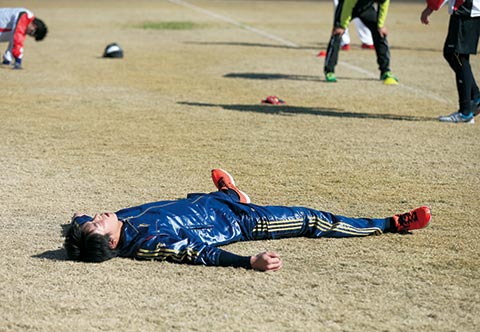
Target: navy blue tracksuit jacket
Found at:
190, 230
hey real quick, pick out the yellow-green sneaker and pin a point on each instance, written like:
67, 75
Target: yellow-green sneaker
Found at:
330, 77
388, 78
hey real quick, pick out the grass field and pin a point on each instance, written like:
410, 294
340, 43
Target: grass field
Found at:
82, 133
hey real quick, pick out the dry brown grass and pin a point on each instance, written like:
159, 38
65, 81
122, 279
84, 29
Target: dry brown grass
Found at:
80, 133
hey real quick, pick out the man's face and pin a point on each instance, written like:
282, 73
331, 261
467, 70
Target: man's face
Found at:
103, 224
31, 28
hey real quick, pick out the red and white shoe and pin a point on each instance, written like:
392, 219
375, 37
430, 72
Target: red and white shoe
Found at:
415, 219
345, 47
223, 181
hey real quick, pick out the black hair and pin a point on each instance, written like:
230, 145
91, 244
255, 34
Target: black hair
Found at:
41, 29
81, 246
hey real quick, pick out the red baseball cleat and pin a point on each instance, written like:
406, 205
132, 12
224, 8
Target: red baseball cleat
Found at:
322, 54
346, 47
415, 219
223, 181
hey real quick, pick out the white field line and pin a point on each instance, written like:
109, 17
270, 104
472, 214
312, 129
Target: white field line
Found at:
233, 22
414, 90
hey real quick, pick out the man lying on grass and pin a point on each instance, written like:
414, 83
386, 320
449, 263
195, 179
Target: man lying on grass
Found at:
190, 230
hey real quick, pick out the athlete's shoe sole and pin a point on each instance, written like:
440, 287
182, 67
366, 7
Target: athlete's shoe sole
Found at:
223, 181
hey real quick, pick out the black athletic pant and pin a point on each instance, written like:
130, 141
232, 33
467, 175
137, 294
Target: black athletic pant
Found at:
369, 17
461, 41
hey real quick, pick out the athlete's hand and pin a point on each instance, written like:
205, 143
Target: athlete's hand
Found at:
338, 31
425, 14
383, 31
266, 261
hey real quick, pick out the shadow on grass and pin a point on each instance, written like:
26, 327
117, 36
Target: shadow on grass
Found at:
272, 76
58, 254
256, 45
319, 111
420, 49
319, 46
54, 255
